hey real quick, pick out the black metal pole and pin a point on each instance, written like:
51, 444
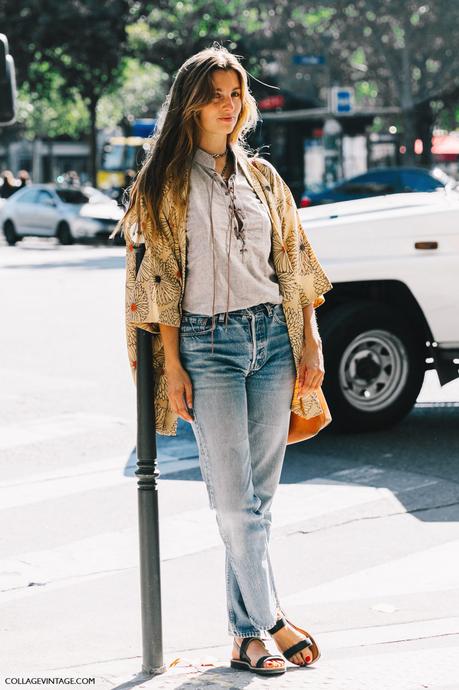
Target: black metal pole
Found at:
147, 490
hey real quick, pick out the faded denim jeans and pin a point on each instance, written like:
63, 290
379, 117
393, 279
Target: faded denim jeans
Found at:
241, 410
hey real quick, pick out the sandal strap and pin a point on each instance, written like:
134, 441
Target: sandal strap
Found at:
262, 659
281, 623
303, 644
243, 648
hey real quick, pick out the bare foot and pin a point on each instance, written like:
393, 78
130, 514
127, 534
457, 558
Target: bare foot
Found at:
255, 650
286, 637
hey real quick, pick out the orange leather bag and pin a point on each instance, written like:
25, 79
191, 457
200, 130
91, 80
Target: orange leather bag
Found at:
300, 428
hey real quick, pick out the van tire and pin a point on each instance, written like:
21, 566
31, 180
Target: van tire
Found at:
374, 365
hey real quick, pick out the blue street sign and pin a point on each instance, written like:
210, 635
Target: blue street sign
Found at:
308, 59
342, 99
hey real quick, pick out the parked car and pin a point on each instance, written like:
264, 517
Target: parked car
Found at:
381, 181
48, 210
393, 313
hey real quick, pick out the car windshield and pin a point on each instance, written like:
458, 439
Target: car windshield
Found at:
72, 196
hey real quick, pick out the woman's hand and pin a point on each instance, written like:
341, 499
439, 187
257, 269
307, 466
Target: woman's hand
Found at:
179, 390
311, 367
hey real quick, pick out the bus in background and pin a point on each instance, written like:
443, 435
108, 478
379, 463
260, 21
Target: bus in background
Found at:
121, 154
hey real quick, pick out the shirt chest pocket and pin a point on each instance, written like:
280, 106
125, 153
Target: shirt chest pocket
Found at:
257, 222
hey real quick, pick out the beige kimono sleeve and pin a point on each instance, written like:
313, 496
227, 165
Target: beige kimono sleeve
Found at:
152, 294
312, 280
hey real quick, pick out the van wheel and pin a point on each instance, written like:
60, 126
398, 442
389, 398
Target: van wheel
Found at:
10, 233
374, 366
64, 234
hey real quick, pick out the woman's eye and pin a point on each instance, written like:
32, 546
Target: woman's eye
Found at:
236, 95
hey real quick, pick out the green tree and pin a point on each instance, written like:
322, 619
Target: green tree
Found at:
169, 31
405, 55
82, 42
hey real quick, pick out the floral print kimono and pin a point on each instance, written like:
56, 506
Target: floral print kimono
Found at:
155, 294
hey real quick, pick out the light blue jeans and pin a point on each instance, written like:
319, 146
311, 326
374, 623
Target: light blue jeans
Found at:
241, 410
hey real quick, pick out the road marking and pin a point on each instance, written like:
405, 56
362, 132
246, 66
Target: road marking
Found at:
432, 392
38, 430
181, 534
28, 379
83, 477
296, 503
411, 574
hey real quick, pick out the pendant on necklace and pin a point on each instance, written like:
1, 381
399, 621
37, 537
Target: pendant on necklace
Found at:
219, 155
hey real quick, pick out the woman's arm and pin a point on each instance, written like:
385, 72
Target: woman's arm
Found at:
311, 365
179, 388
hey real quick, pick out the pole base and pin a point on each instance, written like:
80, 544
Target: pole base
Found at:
153, 671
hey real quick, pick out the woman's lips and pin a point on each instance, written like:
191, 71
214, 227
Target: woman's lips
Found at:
227, 119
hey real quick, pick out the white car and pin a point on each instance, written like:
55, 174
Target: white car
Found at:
47, 210
394, 310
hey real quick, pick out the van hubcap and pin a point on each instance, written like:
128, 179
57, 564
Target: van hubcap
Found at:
373, 370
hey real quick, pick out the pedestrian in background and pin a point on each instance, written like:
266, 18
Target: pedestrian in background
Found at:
227, 287
9, 184
72, 179
24, 178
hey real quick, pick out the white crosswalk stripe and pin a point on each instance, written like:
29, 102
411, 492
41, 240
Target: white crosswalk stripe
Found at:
182, 533
84, 477
408, 575
39, 430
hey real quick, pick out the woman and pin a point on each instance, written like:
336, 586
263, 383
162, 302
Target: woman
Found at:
227, 286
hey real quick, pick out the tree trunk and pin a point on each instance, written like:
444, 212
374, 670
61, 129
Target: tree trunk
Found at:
424, 127
93, 140
409, 136
409, 126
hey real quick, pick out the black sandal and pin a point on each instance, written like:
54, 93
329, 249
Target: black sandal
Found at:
243, 663
309, 642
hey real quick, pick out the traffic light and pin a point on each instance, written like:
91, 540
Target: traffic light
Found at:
7, 84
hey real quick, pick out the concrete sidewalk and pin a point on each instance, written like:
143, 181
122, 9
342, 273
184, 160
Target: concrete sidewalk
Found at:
365, 558
405, 657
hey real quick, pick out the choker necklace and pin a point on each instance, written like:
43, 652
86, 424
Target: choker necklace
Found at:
219, 155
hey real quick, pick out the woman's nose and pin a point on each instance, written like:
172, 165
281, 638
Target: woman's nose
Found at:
229, 103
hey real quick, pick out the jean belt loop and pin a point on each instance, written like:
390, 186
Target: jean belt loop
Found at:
269, 308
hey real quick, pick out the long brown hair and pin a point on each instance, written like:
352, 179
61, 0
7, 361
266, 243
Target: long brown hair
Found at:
176, 138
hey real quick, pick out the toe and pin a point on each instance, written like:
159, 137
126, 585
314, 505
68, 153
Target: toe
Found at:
307, 657
275, 664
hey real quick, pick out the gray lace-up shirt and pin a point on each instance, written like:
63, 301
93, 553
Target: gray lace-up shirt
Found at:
229, 264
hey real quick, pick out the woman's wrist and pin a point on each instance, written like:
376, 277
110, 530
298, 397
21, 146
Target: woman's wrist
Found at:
310, 329
170, 338
312, 340
172, 364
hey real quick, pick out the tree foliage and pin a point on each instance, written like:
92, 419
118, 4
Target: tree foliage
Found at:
403, 53
81, 42
118, 57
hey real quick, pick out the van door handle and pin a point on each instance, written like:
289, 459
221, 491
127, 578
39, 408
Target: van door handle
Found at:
426, 245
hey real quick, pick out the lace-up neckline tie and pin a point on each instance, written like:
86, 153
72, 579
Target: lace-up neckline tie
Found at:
233, 217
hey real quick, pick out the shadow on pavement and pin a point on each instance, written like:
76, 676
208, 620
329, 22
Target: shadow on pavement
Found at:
425, 444
215, 678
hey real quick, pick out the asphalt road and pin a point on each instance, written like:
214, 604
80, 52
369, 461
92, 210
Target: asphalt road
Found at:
365, 536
